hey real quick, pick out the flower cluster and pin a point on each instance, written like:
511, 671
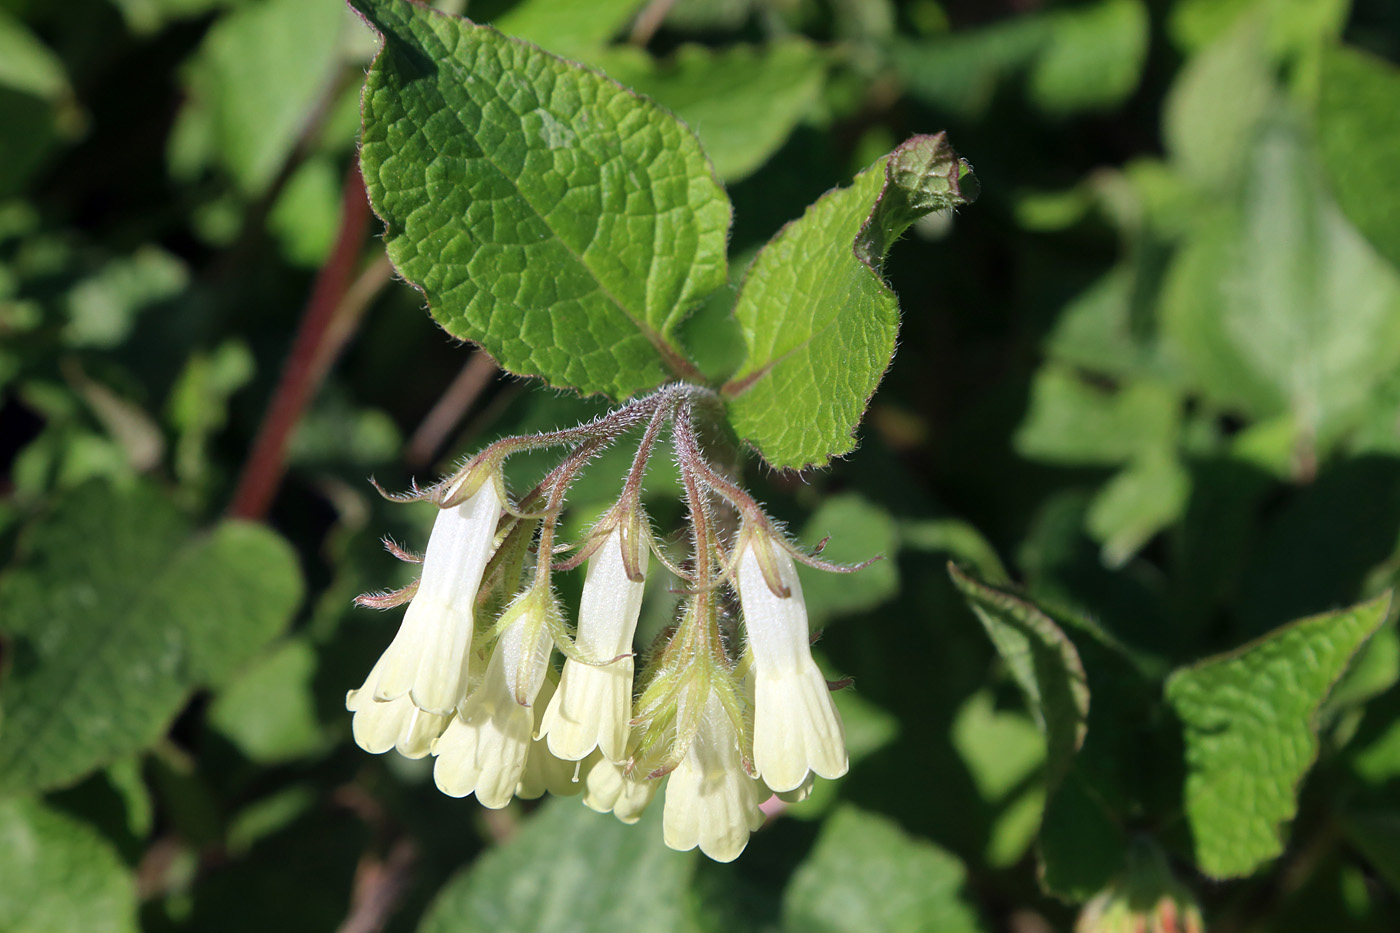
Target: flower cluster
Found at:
724, 720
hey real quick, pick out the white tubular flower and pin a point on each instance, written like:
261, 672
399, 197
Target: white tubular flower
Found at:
796, 728
710, 801
484, 749
544, 772
427, 660
594, 702
607, 789
379, 725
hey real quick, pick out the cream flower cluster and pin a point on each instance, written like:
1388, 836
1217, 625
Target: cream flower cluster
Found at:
722, 723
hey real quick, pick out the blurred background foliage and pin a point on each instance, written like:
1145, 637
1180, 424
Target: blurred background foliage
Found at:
1152, 378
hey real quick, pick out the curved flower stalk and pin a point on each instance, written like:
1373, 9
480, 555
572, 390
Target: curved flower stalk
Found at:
593, 704
796, 728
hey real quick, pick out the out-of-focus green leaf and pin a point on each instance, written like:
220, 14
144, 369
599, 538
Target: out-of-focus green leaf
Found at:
1281, 306
1081, 844
60, 875
269, 711
306, 216
865, 873
1291, 24
102, 308
116, 613
147, 16
124, 776
570, 869
1081, 840
1137, 503
27, 64
818, 319
742, 101
1207, 131
959, 540
1043, 661
1004, 752
960, 73
198, 403
36, 103
255, 79
858, 531
566, 27
1086, 57
1092, 58
1073, 422
1377, 835
565, 224
1357, 125
1319, 551
1249, 726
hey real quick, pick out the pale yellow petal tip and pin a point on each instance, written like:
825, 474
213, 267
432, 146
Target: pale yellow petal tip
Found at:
797, 730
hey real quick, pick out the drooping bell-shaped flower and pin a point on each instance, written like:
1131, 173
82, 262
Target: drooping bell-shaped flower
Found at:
427, 660
592, 706
484, 749
544, 771
379, 725
796, 728
608, 789
711, 802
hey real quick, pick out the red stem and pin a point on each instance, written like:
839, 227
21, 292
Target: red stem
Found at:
266, 463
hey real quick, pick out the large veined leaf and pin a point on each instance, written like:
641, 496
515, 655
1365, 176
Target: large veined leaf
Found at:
817, 317
1249, 725
547, 213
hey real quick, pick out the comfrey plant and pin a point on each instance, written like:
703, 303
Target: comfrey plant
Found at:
569, 226
724, 718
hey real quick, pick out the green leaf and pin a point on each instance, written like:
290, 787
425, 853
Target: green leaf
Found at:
562, 222
1004, 753
818, 319
1291, 24
60, 875
743, 101
1044, 662
858, 531
1087, 57
117, 613
37, 107
270, 711
1280, 306
1357, 126
255, 80
1140, 501
1093, 57
27, 64
570, 869
1250, 731
1081, 841
1074, 422
567, 27
865, 873
1209, 133
1377, 836
960, 73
